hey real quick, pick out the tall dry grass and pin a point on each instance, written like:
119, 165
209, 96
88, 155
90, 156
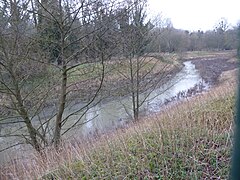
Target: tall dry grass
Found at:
188, 140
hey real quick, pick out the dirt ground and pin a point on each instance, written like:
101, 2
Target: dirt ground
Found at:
211, 68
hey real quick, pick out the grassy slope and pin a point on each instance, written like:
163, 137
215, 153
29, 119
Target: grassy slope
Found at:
188, 141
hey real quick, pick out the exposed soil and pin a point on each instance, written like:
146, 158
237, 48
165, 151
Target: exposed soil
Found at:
211, 68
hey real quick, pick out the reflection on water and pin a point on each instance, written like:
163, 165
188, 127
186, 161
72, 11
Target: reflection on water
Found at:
112, 114
186, 79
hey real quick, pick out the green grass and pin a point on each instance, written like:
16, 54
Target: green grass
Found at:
85, 72
205, 54
192, 141
90, 71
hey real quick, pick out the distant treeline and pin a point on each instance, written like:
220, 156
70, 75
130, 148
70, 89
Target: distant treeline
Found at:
169, 39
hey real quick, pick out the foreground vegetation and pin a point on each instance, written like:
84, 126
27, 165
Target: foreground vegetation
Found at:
189, 140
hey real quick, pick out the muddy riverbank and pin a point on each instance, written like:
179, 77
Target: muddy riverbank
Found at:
210, 68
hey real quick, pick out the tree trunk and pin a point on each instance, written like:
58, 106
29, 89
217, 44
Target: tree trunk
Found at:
137, 91
23, 113
135, 113
62, 102
63, 93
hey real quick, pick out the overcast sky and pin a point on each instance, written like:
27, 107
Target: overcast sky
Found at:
197, 14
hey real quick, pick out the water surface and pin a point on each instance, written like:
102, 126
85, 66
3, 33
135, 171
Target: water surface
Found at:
108, 115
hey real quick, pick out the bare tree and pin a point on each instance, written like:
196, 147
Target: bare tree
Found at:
44, 63
220, 31
142, 72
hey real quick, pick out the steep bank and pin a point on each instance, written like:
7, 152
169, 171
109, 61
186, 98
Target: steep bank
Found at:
117, 80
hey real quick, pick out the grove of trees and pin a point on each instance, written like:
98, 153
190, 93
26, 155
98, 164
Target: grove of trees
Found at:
222, 37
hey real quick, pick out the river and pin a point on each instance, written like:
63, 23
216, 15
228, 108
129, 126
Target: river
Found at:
114, 113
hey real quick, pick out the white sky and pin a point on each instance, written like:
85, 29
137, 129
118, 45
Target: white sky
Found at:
197, 14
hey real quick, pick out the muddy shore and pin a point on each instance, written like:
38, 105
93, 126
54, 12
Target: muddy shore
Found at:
211, 68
